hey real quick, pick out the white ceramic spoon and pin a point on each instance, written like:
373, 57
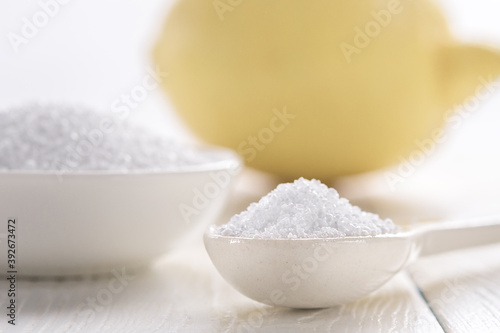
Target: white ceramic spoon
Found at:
324, 272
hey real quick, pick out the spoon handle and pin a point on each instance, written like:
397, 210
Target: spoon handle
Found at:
448, 236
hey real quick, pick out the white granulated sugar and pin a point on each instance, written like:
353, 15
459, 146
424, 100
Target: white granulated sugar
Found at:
56, 137
304, 209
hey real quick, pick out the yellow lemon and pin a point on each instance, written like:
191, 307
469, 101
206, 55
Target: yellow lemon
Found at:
316, 88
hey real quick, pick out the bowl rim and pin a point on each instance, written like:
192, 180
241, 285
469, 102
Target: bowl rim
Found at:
230, 160
347, 239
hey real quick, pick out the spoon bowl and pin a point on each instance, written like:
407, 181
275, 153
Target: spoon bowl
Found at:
324, 272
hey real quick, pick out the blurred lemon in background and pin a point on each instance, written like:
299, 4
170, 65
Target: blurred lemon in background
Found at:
318, 89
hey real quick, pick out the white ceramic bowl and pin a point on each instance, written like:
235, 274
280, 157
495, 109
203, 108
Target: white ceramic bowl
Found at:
94, 222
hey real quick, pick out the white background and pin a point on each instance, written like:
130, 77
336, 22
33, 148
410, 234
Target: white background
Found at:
93, 51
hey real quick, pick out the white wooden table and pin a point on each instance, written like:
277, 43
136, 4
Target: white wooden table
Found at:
182, 292
454, 292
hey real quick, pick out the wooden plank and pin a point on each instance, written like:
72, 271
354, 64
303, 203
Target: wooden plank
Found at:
184, 293
395, 308
462, 288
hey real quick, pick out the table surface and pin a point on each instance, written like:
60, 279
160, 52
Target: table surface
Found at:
182, 292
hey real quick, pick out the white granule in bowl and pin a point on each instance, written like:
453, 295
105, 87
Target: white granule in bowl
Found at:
304, 209
59, 137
